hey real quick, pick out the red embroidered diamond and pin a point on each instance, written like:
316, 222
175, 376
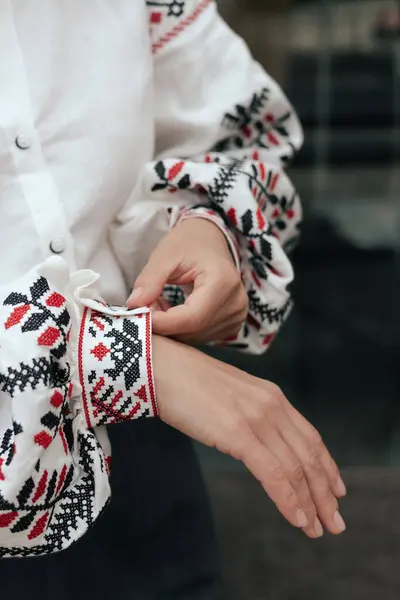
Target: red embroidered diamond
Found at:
17, 315
156, 17
43, 439
7, 518
49, 337
57, 399
100, 351
55, 300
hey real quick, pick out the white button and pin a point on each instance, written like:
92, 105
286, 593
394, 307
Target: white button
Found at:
23, 142
57, 245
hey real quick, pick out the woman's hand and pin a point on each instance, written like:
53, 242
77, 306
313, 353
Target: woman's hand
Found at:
194, 254
251, 420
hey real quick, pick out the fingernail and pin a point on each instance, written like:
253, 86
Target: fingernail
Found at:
341, 488
136, 293
339, 522
319, 532
302, 518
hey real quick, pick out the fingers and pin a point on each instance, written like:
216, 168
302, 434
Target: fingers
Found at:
223, 324
309, 459
314, 440
192, 317
150, 283
268, 470
293, 469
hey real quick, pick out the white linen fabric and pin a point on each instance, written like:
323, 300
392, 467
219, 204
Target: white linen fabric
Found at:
118, 118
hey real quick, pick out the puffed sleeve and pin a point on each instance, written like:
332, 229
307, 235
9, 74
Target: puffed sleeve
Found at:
69, 365
225, 133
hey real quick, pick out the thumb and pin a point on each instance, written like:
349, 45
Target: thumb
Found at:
151, 281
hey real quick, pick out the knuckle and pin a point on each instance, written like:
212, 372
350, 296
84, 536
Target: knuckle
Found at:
315, 438
290, 499
296, 472
271, 402
314, 460
195, 322
276, 473
327, 502
274, 390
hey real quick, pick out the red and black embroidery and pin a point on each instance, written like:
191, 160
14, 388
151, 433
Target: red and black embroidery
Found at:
43, 311
170, 8
260, 207
115, 367
168, 19
255, 126
44, 508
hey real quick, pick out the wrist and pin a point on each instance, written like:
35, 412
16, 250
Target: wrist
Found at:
212, 227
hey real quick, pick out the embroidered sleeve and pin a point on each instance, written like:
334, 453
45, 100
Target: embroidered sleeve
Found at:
225, 135
68, 365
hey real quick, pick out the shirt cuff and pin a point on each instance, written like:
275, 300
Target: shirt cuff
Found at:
115, 364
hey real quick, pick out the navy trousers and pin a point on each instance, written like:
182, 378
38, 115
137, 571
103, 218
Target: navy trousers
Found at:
154, 542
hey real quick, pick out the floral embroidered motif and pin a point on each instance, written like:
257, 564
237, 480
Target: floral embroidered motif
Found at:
242, 180
54, 469
254, 126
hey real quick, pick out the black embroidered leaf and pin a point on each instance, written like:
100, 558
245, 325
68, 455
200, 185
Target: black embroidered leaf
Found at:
50, 420
39, 288
17, 428
259, 268
51, 487
266, 248
13, 299
284, 202
282, 130
25, 522
285, 117
69, 434
35, 322
273, 199
184, 183
247, 222
26, 491
64, 318
281, 225
159, 186
5, 442
5, 504
160, 169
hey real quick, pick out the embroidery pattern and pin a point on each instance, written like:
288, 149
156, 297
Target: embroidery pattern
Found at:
169, 18
54, 473
115, 368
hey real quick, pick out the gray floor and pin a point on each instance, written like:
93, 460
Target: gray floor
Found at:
266, 559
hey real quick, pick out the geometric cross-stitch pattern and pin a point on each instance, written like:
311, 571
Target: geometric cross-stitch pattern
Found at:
54, 452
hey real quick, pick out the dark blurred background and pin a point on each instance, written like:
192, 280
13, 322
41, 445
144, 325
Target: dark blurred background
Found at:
338, 357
